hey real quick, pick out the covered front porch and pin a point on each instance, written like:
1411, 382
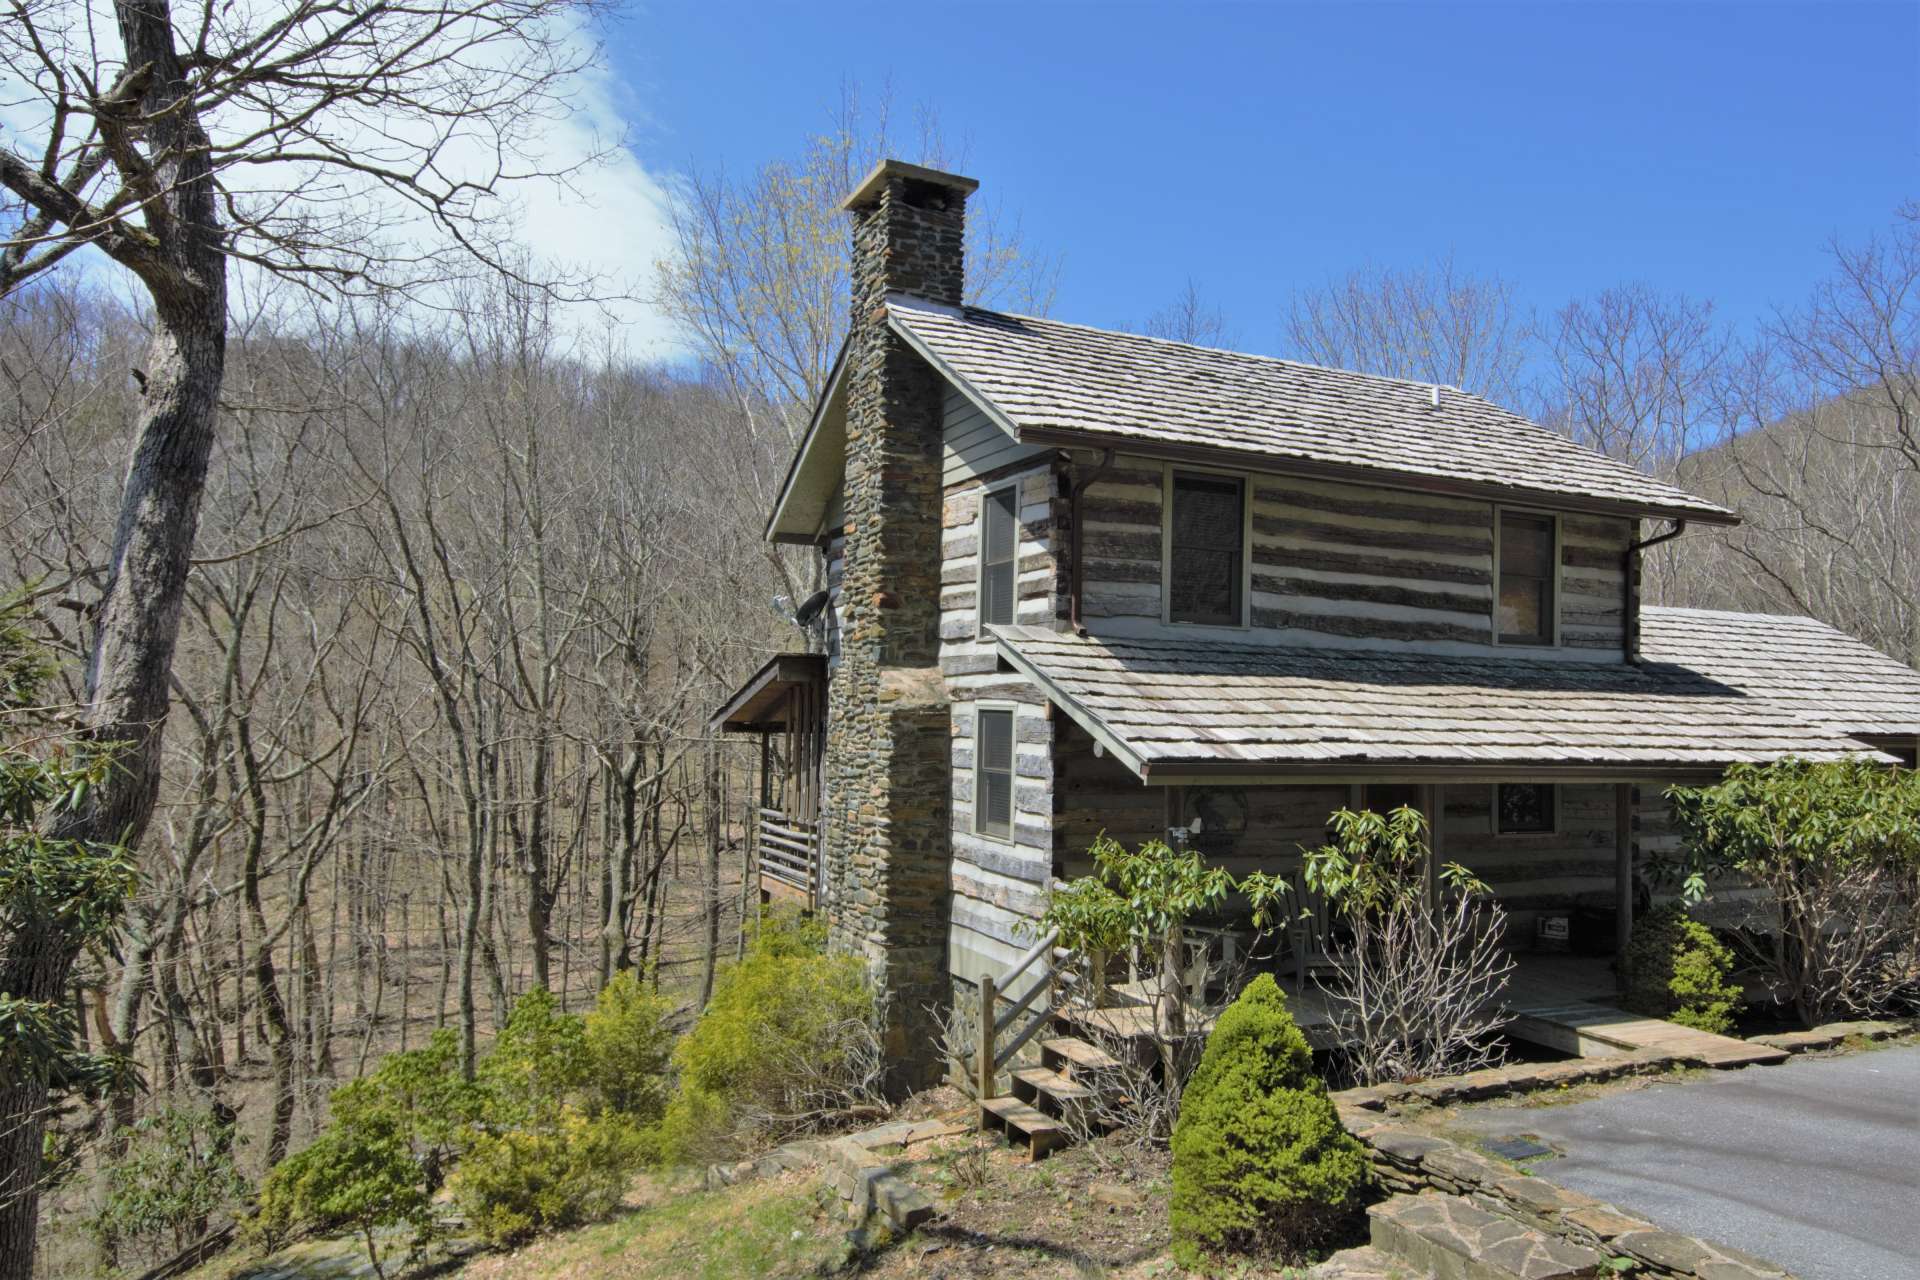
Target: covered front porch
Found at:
1544, 780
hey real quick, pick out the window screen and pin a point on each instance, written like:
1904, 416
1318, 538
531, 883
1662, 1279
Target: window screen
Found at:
1204, 567
1526, 579
993, 774
1524, 807
999, 553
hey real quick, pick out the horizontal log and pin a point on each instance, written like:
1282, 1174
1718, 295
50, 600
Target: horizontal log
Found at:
1119, 475
1096, 508
1275, 556
1103, 570
1574, 557
1613, 533
1392, 539
1358, 502
1109, 544
1368, 628
1373, 592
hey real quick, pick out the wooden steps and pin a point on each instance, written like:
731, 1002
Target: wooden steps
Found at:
1050, 1103
1041, 1132
1076, 1057
1036, 1085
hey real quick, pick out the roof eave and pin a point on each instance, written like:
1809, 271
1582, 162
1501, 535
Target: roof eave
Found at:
977, 397
1279, 464
774, 532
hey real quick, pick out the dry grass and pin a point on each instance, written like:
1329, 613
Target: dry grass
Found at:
778, 1228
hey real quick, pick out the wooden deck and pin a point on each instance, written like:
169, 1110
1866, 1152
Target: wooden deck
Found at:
1568, 1003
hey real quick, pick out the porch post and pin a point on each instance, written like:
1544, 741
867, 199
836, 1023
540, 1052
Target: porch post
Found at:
1430, 803
1623, 866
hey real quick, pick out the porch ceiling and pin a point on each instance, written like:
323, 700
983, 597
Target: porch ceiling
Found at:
760, 705
1179, 711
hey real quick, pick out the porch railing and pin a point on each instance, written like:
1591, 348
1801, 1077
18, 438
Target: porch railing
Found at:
997, 1045
789, 852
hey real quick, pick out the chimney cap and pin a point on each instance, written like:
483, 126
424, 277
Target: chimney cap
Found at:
870, 187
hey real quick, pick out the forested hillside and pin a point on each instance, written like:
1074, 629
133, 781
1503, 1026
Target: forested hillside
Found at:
469, 577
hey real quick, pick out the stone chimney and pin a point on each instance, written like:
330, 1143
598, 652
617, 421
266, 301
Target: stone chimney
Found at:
888, 768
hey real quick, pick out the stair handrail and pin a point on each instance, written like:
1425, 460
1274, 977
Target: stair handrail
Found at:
992, 991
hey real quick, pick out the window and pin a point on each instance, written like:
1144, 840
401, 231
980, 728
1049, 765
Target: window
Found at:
993, 774
1523, 808
1205, 561
1526, 578
999, 555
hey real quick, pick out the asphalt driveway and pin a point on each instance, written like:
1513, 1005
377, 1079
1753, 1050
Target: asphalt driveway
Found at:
1813, 1164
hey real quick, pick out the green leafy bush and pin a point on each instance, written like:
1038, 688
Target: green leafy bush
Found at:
519, 1182
1260, 1160
629, 1048
177, 1172
1677, 970
361, 1175
383, 1153
423, 1090
788, 1040
1836, 846
539, 1059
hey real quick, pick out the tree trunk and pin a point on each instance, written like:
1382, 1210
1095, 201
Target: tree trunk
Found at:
137, 619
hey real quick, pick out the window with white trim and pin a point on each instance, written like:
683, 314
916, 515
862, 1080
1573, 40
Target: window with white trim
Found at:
1206, 553
1526, 578
993, 773
999, 555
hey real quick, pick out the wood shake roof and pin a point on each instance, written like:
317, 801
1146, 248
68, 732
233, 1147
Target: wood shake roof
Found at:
1176, 710
1049, 382
1819, 672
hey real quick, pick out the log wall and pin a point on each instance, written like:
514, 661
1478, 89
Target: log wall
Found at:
1345, 564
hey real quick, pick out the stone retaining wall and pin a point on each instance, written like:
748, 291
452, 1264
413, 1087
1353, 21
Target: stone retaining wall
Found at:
1408, 1162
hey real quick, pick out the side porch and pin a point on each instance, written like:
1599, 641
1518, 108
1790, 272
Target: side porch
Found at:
785, 704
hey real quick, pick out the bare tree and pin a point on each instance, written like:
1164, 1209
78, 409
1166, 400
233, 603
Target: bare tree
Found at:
1635, 375
1190, 318
759, 274
1814, 446
1414, 994
1432, 324
301, 139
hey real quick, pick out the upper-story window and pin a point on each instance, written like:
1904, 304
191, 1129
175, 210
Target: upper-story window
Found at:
999, 555
1206, 555
1526, 557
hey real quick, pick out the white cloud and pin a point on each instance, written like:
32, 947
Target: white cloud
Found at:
611, 218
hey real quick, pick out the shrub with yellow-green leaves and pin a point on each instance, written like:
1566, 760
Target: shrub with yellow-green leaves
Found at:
1677, 970
562, 1110
788, 1041
568, 1169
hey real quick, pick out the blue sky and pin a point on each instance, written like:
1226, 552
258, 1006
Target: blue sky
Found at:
1711, 149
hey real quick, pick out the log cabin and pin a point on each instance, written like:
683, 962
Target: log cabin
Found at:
1083, 581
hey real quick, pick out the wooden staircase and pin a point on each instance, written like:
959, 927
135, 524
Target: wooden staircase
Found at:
1048, 1104
1051, 1103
